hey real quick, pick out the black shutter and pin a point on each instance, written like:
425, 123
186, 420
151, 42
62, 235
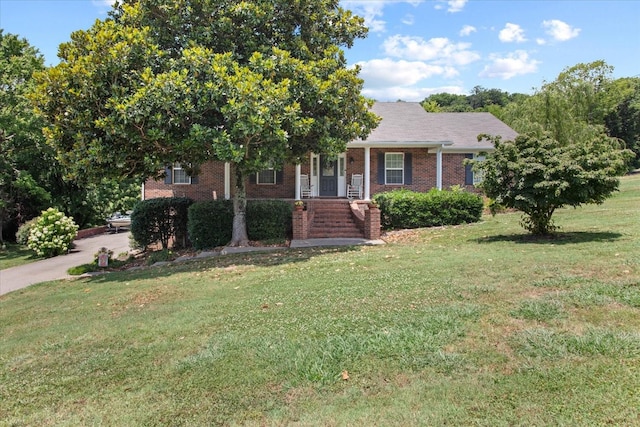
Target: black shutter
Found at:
253, 178
194, 179
381, 168
168, 175
279, 177
468, 172
408, 171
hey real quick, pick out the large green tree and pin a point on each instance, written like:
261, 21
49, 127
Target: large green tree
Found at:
623, 121
24, 158
539, 174
583, 101
255, 83
570, 108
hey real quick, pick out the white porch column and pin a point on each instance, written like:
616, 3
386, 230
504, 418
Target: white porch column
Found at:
298, 169
367, 173
227, 181
439, 168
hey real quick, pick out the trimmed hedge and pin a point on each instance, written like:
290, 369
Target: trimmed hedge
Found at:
159, 220
211, 222
268, 219
409, 209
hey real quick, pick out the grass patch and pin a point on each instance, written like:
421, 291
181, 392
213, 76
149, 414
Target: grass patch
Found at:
15, 255
547, 344
93, 267
466, 325
538, 310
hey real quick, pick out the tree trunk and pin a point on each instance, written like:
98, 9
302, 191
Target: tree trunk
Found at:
239, 235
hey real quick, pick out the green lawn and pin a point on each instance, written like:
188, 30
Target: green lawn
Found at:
469, 325
15, 255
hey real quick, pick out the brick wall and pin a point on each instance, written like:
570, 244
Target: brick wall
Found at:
284, 189
210, 179
357, 154
453, 170
424, 170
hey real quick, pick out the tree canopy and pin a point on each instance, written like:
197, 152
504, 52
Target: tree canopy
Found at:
479, 99
24, 155
623, 120
254, 83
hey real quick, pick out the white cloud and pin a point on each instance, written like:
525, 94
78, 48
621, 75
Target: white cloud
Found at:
541, 41
440, 50
373, 11
408, 20
456, 5
467, 30
380, 73
512, 33
453, 5
560, 31
514, 64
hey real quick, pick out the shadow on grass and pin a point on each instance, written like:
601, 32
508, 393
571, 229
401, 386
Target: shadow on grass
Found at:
13, 254
553, 239
258, 259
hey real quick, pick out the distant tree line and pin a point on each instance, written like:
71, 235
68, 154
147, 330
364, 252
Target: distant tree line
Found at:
479, 99
583, 100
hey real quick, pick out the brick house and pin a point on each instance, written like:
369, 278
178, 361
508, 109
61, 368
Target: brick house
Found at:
409, 149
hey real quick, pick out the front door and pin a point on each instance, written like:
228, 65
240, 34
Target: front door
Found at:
328, 177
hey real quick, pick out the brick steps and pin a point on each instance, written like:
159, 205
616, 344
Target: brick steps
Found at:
333, 219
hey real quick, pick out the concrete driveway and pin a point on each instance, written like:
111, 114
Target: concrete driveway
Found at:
56, 268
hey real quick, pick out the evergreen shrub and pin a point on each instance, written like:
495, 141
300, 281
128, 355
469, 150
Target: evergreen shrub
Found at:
268, 220
409, 209
160, 220
210, 223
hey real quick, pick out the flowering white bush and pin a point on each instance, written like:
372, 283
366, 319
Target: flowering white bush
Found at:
52, 233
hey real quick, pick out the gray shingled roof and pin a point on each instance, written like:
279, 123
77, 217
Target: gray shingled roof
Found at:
407, 123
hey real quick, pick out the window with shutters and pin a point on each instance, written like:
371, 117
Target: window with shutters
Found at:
180, 176
266, 177
394, 168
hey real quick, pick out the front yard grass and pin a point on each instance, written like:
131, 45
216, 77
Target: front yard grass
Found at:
468, 325
15, 255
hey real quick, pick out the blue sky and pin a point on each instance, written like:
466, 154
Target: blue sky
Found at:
419, 47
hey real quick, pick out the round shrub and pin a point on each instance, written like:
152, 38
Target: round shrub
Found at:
52, 233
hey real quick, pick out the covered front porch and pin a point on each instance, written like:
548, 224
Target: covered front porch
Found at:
330, 177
